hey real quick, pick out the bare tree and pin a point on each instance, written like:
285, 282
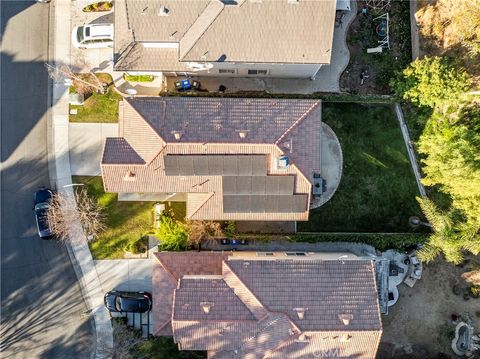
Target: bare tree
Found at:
83, 83
202, 230
62, 213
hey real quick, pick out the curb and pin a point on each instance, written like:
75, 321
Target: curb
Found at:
59, 166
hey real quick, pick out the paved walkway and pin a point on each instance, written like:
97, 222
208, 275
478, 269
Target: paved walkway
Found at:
77, 246
410, 150
86, 146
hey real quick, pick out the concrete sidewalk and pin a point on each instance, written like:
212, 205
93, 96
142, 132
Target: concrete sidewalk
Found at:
77, 246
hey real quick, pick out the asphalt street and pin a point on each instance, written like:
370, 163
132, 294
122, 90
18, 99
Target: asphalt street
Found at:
42, 309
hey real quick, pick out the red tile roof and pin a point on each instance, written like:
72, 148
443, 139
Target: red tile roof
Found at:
209, 127
254, 306
220, 119
179, 264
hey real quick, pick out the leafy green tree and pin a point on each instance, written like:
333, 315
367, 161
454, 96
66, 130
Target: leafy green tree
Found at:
430, 82
451, 236
452, 158
173, 234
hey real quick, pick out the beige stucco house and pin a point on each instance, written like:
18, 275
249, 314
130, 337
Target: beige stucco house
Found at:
231, 38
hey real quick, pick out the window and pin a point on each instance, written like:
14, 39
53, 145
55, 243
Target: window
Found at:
262, 254
289, 254
226, 71
257, 72
80, 34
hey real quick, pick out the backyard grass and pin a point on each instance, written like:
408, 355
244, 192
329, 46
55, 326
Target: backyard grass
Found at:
378, 189
98, 107
125, 222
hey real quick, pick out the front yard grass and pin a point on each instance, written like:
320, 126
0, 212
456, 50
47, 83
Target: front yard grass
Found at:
98, 107
378, 189
125, 221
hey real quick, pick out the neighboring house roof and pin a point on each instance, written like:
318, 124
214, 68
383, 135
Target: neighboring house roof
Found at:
222, 31
254, 306
221, 151
173, 266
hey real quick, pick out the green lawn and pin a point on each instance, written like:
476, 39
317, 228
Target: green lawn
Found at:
377, 191
98, 107
125, 221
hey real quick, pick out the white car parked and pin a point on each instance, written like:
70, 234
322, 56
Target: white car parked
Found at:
93, 36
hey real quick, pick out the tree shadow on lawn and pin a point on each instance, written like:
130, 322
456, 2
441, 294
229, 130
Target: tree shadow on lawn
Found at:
378, 189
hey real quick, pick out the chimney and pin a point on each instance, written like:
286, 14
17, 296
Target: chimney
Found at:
345, 318
177, 134
163, 11
300, 312
129, 176
206, 306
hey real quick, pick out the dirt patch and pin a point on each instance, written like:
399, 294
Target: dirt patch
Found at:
380, 67
420, 325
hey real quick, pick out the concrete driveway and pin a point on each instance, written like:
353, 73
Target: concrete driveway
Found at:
86, 146
125, 274
131, 275
84, 60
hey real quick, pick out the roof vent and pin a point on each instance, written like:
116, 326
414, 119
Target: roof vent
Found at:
293, 1
300, 312
163, 11
302, 338
287, 145
282, 162
245, 264
177, 135
129, 176
186, 306
242, 134
345, 318
206, 306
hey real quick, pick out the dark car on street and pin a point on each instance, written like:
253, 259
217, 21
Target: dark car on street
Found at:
41, 201
134, 302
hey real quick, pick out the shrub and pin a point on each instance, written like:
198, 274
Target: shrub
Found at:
474, 292
380, 241
173, 235
139, 245
230, 229
430, 82
138, 78
98, 6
